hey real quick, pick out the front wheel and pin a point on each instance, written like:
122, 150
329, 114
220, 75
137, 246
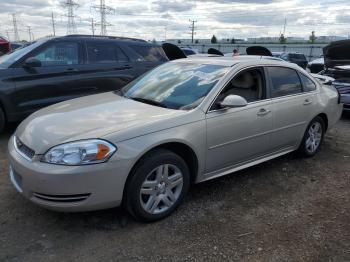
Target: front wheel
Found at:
157, 186
313, 138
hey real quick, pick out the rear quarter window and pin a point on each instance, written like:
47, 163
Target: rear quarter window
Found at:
308, 84
149, 53
284, 81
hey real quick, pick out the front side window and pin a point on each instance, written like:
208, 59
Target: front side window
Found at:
284, 81
101, 53
308, 84
175, 85
248, 84
57, 54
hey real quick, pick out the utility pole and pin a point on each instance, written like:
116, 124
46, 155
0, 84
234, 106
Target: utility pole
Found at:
92, 26
165, 31
192, 28
104, 10
284, 27
70, 5
53, 24
15, 29
30, 34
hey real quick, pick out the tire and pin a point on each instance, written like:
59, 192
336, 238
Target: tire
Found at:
312, 139
152, 195
2, 120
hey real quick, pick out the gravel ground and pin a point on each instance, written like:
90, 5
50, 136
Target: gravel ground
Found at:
287, 209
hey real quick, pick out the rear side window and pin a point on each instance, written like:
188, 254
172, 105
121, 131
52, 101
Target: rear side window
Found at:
101, 53
57, 54
149, 53
121, 56
284, 81
308, 84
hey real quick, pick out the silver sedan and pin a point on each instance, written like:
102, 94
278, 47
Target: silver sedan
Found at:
184, 122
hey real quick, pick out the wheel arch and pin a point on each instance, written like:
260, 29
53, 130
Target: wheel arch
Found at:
186, 152
325, 119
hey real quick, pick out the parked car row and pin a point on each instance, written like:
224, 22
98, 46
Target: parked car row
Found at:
187, 121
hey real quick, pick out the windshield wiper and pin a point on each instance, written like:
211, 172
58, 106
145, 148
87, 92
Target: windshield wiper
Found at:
148, 101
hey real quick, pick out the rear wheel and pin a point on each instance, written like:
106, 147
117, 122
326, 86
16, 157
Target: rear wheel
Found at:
2, 120
158, 185
313, 138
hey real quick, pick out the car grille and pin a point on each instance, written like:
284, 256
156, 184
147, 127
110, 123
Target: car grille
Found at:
24, 150
61, 198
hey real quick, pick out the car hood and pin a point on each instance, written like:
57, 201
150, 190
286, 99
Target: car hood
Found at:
89, 117
337, 54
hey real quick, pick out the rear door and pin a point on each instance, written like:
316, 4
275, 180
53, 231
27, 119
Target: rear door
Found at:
292, 107
107, 67
54, 81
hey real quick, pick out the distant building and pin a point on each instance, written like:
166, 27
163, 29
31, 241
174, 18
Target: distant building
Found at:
326, 39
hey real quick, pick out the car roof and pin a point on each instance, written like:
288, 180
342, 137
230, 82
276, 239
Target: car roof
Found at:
103, 38
231, 61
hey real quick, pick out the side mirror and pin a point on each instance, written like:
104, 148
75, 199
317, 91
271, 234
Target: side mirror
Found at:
233, 101
32, 62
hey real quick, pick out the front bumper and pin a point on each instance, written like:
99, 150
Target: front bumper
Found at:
68, 188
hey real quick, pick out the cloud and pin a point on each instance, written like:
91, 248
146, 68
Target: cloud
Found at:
172, 6
150, 18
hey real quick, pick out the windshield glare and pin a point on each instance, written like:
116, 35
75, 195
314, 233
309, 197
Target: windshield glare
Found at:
8, 59
176, 85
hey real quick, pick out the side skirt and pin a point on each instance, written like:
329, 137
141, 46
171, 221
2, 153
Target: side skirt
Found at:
243, 165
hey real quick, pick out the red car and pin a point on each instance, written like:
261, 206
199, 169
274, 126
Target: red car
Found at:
5, 46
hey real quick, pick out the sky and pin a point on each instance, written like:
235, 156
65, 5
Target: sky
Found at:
169, 19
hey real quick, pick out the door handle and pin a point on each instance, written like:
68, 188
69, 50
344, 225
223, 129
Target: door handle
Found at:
71, 70
307, 102
123, 67
263, 112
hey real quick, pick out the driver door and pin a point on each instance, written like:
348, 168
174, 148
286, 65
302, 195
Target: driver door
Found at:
239, 135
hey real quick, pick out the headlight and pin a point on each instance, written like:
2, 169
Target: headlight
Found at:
80, 153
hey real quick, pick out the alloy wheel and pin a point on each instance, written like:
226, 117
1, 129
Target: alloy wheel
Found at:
161, 189
314, 137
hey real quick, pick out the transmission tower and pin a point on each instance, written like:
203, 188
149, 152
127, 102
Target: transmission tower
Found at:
70, 5
104, 10
15, 29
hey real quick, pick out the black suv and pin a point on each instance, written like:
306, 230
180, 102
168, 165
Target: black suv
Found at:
57, 69
295, 58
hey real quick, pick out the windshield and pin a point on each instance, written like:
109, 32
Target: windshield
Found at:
175, 85
8, 59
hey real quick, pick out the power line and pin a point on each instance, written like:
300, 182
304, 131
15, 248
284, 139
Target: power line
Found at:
15, 29
192, 28
70, 5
